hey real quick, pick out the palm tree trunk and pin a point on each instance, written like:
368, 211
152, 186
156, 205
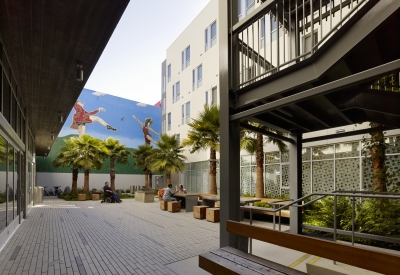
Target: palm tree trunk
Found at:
168, 176
112, 174
260, 166
213, 172
150, 180
377, 152
146, 178
74, 187
86, 182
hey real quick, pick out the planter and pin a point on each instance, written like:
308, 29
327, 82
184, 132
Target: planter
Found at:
81, 197
144, 196
95, 197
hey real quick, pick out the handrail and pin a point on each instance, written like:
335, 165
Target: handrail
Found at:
292, 20
335, 194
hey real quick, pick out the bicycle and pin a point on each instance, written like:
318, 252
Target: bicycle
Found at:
57, 191
45, 192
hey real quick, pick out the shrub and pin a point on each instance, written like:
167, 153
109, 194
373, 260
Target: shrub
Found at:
263, 204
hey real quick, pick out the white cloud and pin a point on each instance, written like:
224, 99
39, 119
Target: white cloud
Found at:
98, 94
141, 104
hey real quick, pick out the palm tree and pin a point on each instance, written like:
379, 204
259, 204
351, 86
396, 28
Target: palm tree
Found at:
67, 157
167, 157
142, 158
116, 153
254, 143
203, 135
91, 155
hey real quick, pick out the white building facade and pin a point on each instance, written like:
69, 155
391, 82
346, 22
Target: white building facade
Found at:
190, 77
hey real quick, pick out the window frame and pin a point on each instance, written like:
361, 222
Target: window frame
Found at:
169, 72
169, 121
187, 109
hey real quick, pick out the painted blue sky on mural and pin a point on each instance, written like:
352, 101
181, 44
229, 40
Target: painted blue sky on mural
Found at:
118, 115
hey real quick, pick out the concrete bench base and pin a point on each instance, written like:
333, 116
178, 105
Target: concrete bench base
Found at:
144, 196
200, 212
212, 214
174, 206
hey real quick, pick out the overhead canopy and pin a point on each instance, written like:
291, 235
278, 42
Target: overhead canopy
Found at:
44, 42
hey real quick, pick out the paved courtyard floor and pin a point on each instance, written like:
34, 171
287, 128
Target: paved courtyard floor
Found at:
90, 237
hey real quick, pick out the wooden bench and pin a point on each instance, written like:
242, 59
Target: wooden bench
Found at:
200, 212
164, 205
174, 206
239, 262
212, 214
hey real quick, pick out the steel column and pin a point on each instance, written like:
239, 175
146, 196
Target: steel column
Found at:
295, 176
229, 131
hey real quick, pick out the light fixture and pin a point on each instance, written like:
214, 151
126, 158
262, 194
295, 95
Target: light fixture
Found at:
52, 136
60, 117
79, 72
48, 147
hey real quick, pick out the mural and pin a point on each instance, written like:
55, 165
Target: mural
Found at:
81, 117
101, 115
146, 127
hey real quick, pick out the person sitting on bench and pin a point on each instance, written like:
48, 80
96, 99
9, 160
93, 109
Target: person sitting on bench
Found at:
168, 194
108, 189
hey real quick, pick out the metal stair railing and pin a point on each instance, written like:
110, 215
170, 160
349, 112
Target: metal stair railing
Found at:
321, 195
281, 33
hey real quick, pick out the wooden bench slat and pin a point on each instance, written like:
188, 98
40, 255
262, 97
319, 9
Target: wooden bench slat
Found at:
368, 259
228, 260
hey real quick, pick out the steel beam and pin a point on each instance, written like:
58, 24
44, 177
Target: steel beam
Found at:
265, 132
337, 85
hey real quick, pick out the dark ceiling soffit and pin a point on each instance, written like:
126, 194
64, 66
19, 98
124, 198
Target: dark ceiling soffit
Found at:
348, 134
337, 85
265, 133
374, 100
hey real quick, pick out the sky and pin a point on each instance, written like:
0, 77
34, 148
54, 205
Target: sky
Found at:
130, 66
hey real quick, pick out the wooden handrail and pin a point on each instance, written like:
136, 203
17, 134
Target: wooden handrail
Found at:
363, 258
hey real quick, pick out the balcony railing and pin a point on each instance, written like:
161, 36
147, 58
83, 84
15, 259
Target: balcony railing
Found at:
286, 32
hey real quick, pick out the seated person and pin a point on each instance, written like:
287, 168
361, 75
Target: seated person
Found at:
168, 194
108, 189
182, 190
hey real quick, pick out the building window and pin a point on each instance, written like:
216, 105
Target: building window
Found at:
211, 36
249, 6
262, 34
176, 92
169, 73
273, 28
178, 138
188, 112
214, 95
173, 93
169, 121
197, 77
163, 126
183, 114
194, 80
163, 105
186, 58
211, 96
245, 7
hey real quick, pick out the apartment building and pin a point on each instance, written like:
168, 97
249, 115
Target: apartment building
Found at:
190, 78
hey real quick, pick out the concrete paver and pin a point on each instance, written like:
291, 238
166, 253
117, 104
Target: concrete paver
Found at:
90, 237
